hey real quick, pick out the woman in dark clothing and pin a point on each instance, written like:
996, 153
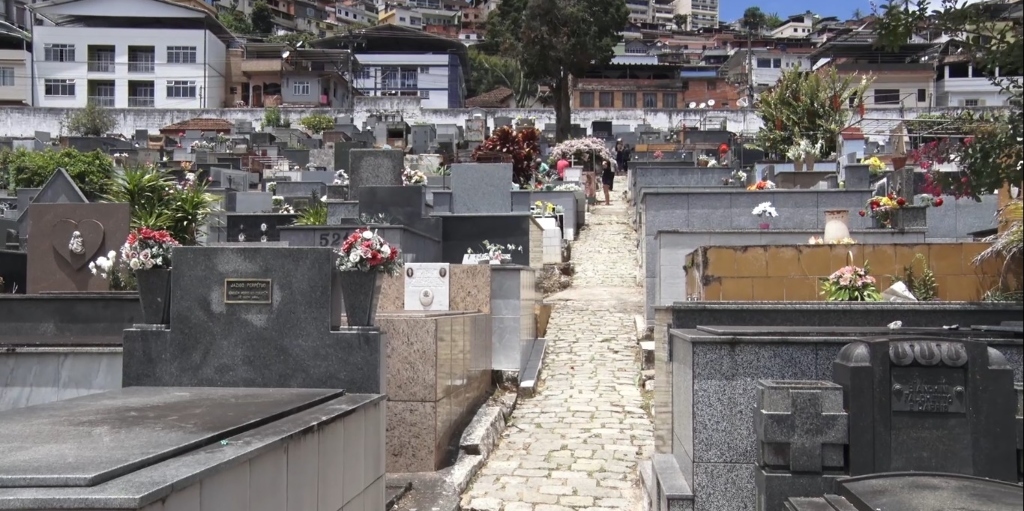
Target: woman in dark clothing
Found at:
622, 156
607, 179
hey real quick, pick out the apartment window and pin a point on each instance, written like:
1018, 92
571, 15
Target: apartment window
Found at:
141, 59
650, 100
668, 100
6, 77
425, 94
764, 63
363, 74
777, 63
300, 88
181, 54
971, 102
409, 79
922, 95
415, 21
606, 99
587, 99
310, 12
887, 96
59, 52
181, 89
59, 88
628, 100
424, 70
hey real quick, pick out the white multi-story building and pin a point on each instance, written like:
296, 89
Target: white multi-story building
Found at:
795, 27
958, 83
699, 13
639, 11
128, 53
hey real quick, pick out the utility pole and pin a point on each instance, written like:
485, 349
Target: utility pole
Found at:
750, 68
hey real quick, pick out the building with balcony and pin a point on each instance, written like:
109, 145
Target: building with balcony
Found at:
351, 15
400, 16
795, 27
699, 13
128, 53
629, 86
958, 83
766, 64
273, 74
639, 10
899, 78
401, 61
15, 77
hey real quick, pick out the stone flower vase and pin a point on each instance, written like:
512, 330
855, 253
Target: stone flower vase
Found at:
155, 295
764, 226
837, 224
358, 292
798, 165
809, 162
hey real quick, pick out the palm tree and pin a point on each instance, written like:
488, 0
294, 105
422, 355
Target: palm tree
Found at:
773, 20
858, 14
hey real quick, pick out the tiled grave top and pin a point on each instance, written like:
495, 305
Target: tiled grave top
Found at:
143, 486
826, 335
93, 439
911, 490
730, 332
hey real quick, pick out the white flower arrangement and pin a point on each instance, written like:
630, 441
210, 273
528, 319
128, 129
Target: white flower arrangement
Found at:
705, 158
412, 177
104, 265
567, 187
496, 252
340, 178
803, 148
365, 250
740, 176
201, 144
286, 210
765, 209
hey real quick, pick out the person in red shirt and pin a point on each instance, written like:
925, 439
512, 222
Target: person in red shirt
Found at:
561, 166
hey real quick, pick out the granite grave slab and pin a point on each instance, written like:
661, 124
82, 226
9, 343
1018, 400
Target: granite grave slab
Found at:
66, 238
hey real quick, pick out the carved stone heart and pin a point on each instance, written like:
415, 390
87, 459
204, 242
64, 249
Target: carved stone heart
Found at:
92, 239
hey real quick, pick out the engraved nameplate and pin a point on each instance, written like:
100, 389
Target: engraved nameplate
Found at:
259, 291
929, 391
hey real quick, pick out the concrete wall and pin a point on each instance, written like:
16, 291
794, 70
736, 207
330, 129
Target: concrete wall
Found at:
19, 121
34, 376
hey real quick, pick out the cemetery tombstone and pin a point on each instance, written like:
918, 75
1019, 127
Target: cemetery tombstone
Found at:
479, 188
59, 189
66, 238
342, 151
427, 286
476, 130
502, 121
257, 227
374, 167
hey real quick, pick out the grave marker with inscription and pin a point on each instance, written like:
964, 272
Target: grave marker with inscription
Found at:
427, 286
259, 291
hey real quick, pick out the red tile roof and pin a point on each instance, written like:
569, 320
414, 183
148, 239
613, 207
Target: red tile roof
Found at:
496, 98
852, 133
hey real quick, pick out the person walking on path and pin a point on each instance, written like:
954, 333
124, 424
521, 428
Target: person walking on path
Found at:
622, 154
608, 180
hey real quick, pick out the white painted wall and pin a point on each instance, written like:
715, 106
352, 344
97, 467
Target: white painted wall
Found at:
22, 122
770, 75
14, 77
431, 77
908, 96
207, 72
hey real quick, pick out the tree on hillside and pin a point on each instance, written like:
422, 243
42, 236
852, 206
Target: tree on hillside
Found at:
858, 14
773, 20
554, 40
488, 72
753, 19
681, 21
261, 19
235, 21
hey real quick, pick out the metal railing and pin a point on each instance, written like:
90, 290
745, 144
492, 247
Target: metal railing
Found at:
140, 101
101, 66
104, 101
141, 66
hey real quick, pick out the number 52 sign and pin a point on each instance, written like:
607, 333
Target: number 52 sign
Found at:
331, 238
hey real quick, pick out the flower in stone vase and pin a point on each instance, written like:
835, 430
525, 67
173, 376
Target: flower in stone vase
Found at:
412, 177
496, 252
148, 249
364, 250
875, 166
850, 284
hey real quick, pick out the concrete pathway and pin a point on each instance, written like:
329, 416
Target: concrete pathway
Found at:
576, 444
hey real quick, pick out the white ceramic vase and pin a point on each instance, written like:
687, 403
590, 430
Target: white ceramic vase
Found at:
837, 224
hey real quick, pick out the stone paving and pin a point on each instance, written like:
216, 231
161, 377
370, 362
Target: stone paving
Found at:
576, 444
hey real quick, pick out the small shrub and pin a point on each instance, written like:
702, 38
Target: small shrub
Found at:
92, 171
317, 123
91, 121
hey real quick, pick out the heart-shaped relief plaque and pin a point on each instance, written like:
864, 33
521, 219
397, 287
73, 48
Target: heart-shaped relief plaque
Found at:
92, 239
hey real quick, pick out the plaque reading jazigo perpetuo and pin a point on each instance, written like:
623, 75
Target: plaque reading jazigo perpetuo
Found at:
248, 291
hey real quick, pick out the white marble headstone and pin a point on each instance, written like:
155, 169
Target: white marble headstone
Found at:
427, 286
573, 175
552, 240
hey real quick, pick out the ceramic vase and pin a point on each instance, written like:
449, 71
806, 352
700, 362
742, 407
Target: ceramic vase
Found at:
798, 165
837, 225
358, 294
809, 163
155, 295
764, 226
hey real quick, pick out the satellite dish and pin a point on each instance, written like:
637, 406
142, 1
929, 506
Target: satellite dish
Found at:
711, 102
285, 54
693, 104
703, 105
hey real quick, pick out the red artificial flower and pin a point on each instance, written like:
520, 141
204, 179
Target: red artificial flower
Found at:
375, 258
938, 202
965, 180
901, 202
861, 212
132, 238
394, 254
891, 196
968, 140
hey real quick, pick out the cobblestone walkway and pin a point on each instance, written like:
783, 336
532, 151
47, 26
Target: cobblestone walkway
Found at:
576, 444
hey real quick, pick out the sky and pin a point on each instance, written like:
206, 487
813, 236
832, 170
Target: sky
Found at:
731, 10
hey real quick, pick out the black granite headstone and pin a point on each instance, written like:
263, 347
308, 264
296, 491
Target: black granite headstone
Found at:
256, 227
467, 232
929, 404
